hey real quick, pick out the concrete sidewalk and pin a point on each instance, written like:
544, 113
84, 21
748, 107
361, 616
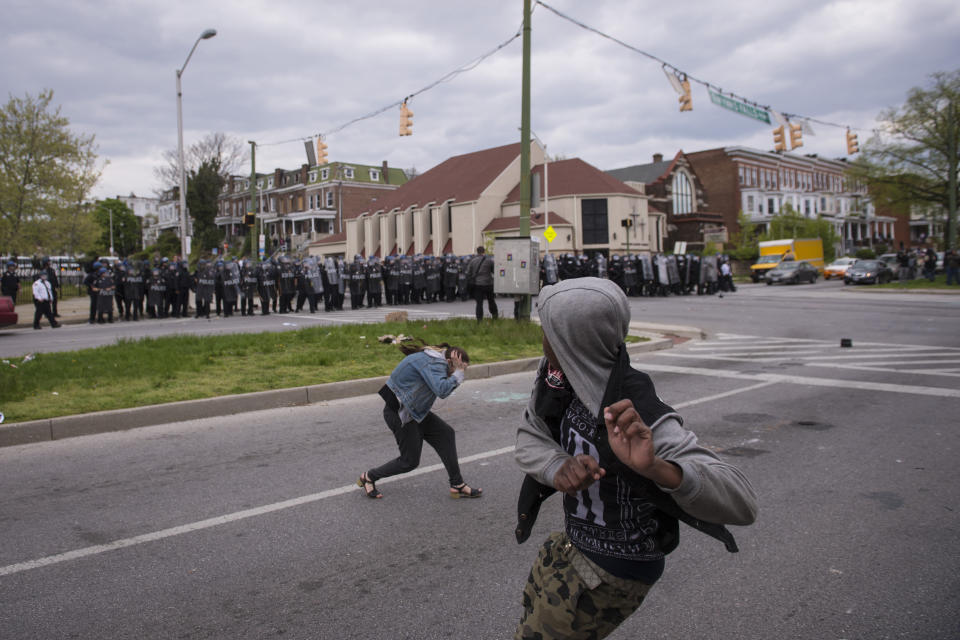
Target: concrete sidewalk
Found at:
74, 310
134, 417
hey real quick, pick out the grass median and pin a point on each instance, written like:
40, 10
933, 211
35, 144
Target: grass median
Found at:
148, 371
939, 282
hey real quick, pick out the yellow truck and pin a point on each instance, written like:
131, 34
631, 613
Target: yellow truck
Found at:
773, 252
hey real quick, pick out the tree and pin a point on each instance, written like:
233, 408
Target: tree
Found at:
915, 159
744, 242
126, 228
46, 177
203, 189
230, 154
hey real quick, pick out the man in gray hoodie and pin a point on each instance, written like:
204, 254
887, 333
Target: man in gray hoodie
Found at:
596, 430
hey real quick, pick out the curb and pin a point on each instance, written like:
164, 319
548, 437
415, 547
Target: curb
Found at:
86, 424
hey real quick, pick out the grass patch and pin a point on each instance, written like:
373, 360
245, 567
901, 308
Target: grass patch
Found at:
939, 282
149, 371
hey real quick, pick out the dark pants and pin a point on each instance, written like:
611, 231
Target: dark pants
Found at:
42, 308
485, 292
93, 306
410, 438
246, 307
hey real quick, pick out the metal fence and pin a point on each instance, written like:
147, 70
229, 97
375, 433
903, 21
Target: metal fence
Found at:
71, 285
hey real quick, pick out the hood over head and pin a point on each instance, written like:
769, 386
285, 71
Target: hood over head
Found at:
585, 321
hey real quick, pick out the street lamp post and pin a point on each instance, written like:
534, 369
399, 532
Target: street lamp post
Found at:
206, 35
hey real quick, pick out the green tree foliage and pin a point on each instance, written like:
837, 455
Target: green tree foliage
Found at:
790, 224
915, 159
126, 228
203, 188
46, 174
743, 243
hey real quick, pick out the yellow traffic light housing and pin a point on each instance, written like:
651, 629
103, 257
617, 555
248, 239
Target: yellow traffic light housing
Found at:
321, 152
406, 120
779, 142
249, 219
796, 136
853, 146
686, 102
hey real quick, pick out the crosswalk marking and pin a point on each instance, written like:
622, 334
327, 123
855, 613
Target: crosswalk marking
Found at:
864, 356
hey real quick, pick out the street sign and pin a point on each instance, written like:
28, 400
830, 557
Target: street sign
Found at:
737, 106
550, 234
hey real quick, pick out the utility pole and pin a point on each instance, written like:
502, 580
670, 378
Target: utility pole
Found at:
254, 247
523, 312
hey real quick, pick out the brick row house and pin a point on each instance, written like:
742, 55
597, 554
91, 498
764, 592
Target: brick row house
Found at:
468, 200
301, 205
761, 183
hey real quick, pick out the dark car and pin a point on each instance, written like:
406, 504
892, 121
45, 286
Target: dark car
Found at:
868, 272
792, 273
8, 312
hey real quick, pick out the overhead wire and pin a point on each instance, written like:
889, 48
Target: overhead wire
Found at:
468, 66
677, 70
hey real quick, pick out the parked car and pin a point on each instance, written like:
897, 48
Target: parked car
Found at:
792, 273
838, 267
868, 272
890, 259
8, 312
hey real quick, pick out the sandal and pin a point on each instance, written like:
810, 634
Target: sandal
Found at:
372, 492
463, 491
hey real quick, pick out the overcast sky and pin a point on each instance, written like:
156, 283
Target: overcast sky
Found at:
283, 69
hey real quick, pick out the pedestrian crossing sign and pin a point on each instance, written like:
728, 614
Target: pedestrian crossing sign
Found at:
550, 234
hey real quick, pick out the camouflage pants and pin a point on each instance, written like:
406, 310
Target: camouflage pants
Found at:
569, 597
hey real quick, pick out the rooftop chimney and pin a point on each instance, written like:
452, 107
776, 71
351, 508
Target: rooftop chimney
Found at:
658, 157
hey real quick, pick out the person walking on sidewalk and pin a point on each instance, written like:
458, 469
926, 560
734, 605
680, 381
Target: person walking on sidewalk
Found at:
426, 373
42, 298
480, 277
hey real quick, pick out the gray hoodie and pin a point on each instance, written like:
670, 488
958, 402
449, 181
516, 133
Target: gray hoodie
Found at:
585, 320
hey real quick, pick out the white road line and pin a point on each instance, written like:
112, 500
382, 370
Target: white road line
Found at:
804, 380
725, 394
220, 520
923, 372
280, 506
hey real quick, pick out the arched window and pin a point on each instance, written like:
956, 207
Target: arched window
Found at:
682, 194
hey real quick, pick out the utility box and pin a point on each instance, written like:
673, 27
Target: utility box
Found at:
516, 266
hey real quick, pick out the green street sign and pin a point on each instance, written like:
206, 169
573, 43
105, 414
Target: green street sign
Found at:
742, 108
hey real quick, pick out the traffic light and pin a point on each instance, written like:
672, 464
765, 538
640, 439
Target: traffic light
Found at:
796, 136
779, 143
626, 222
686, 103
406, 120
249, 219
852, 145
321, 152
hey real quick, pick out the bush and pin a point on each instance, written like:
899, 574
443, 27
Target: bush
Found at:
865, 254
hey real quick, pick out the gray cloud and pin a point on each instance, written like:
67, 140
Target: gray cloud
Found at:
283, 70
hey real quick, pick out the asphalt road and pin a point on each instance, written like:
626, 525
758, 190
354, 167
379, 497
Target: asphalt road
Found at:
825, 310
250, 526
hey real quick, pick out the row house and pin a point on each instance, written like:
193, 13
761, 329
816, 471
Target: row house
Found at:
299, 206
762, 183
469, 200
676, 192
163, 214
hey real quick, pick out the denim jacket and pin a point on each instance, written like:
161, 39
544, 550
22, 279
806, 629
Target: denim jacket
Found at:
420, 379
